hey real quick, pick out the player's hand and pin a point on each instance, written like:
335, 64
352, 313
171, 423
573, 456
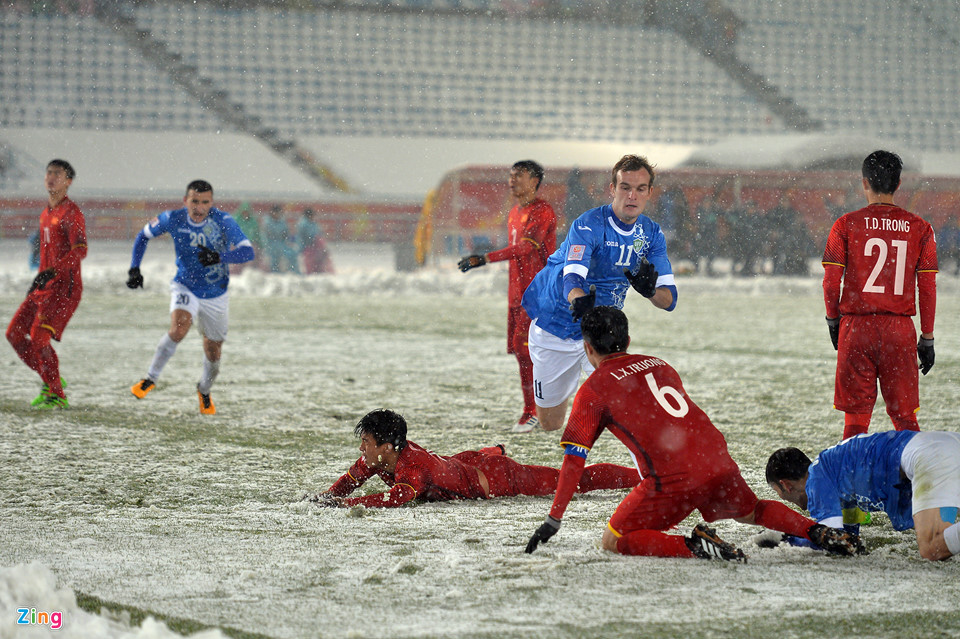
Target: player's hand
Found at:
134, 279
207, 257
41, 280
644, 281
326, 500
584, 303
833, 325
543, 534
926, 354
836, 541
471, 261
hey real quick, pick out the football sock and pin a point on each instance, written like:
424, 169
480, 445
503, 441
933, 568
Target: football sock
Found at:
25, 351
855, 424
50, 370
165, 350
210, 372
653, 543
777, 516
952, 538
526, 384
607, 477
905, 422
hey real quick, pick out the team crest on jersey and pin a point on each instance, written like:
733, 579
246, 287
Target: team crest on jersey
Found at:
212, 232
576, 252
640, 244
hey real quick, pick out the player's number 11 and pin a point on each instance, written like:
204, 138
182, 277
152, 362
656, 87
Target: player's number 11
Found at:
628, 249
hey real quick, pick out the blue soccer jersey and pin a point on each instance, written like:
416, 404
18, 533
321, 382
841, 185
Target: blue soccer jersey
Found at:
598, 248
862, 472
218, 232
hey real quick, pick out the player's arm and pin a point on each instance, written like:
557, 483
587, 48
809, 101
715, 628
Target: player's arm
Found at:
242, 249
927, 301
532, 237
579, 244
398, 495
665, 295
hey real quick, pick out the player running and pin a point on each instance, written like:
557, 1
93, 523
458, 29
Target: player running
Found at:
205, 240
883, 254
682, 458
412, 472
607, 250
879, 472
532, 227
56, 290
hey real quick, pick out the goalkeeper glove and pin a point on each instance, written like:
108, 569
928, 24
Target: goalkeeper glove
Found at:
645, 279
926, 354
543, 534
207, 257
833, 325
471, 261
134, 279
584, 303
41, 280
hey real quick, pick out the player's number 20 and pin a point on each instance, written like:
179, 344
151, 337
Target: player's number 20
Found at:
668, 397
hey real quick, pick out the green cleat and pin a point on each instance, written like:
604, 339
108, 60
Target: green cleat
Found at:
45, 392
52, 402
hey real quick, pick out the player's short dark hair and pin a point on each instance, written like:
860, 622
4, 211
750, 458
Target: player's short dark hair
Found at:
882, 170
531, 167
787, 463
385, 426
606, 329
632, 163
66, 166
200, 186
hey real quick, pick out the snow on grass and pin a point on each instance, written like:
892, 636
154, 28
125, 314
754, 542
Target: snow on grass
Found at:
155, 509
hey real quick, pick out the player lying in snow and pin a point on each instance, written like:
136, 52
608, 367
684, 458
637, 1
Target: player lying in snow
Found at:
415, 473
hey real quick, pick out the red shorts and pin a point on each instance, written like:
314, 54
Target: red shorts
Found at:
509, 478
645, 508
872, 348
518, 325
45, 309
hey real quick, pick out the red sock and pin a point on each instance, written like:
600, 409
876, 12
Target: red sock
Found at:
526, 384
905, 422
653, 543
776, 516
50, 370
607, 477
855, 424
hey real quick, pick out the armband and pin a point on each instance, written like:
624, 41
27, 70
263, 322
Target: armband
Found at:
576, 451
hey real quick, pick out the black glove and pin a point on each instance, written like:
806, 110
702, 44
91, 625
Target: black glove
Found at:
581, 305
926, 354
207, 257
543, 534
836, 541
645, 279
471, 261
41, 279
324, 500
134, 279
833, 325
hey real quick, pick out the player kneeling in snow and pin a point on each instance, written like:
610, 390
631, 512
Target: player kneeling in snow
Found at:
415, 473
681, 454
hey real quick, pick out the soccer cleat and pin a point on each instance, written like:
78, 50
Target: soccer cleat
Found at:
141, 388
836, 541
206, 404
526, 424
45, 392
704, 543
52, 402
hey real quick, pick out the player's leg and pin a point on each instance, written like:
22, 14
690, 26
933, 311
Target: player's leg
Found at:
607, 477
183, 307
213, 319
556, 374
637, 525
18, 333
898, 372
932, 460
53, 315
855, 384
518, 328
508, 478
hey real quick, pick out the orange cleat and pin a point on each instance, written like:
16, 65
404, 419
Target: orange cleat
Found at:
206, 404
141, 388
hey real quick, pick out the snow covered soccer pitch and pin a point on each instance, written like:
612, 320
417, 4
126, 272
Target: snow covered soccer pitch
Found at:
150, 508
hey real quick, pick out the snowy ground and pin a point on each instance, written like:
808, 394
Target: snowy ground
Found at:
148, 506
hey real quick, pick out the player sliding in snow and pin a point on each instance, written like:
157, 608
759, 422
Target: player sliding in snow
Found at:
415, 473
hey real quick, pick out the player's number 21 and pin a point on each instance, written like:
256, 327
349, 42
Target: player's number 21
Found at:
900, 246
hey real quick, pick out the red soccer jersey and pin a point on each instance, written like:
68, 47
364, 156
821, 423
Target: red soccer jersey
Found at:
63, 243
641, 400
419, 474
533, 237
881, 249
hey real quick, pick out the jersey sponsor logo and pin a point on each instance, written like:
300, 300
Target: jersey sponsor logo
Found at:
584, 228
612, 243
576, 252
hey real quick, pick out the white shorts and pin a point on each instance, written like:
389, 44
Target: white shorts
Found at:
931, 460
211, 315
557, 364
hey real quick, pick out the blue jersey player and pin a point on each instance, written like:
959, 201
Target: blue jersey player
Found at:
206, 240
608, 249
912, 476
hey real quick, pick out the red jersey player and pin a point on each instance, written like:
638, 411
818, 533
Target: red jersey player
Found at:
883, 255
55, 293
532, 228
412, 472
682, 458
